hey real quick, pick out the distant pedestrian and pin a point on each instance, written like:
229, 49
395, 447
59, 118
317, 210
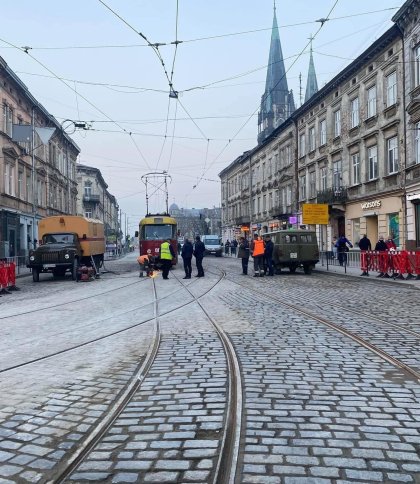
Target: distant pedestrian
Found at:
186, 254
179, 246
233, 247
334, 247
227, 247
380, 245
268, 254
243, 254
364, 243
257, 250
390, 244
166, 254
198, 252
343, 245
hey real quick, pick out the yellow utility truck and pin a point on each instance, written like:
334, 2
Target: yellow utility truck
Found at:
65, 243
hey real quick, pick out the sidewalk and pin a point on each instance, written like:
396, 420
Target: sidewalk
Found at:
356, 272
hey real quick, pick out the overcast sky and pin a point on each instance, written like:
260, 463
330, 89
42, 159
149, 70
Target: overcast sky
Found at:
126, 90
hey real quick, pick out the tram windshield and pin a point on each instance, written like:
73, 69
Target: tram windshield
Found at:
156, 232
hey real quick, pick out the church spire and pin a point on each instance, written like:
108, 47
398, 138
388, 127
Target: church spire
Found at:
311, 83
277, 101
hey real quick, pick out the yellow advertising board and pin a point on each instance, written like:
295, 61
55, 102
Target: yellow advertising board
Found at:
315, 213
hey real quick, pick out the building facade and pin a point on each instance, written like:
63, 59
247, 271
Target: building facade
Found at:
351, 152
408, 20
95, 201
354, 146
37, 172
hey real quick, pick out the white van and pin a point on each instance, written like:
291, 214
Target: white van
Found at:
212, 245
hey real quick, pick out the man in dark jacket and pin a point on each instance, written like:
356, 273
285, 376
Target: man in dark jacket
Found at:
342, 248
199, 249
186, 254
364, 243
381, 245
243, 254
268, 254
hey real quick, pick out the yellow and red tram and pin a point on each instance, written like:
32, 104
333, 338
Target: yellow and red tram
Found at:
155, 229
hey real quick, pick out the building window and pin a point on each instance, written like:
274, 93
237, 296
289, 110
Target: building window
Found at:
88, 189
20, 184
372, 163
323, 132
289, 195
337, 174
371, 102
392, 144
28, 188
416, 65
391, 89
88, 213
356, 230
7, 119
302, 145
288, 155
323, 178
394, 227
337, 123
312, 138
312, 184
276, 166
302, 187
270, 201
417, 143
355, 163
282, 160
9, 179
354, 105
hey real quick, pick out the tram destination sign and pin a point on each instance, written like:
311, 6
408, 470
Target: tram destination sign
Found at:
315, 214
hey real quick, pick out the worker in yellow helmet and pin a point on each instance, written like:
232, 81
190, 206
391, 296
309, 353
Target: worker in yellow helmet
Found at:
166, 254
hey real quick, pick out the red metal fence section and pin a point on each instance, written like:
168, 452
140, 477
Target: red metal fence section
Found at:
398, 264
7, 277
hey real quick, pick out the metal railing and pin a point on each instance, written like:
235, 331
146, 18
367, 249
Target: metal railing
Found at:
345, 259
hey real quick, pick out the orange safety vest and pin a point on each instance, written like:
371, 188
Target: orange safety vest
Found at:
258, 248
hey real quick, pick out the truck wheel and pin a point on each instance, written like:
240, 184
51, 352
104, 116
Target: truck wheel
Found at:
292, 269
74, 269
35, 274
307, 269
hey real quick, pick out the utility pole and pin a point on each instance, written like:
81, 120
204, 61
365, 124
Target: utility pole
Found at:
33, 178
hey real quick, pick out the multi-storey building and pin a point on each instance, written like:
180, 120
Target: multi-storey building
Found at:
408, 20
37, 176
95, 201
351, 145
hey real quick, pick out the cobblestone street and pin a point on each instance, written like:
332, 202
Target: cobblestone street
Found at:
223, 379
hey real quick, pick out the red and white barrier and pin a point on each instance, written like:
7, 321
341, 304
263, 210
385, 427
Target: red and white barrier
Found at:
399, 264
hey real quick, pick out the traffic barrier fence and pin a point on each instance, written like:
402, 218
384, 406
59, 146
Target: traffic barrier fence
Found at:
7, 277
398, 264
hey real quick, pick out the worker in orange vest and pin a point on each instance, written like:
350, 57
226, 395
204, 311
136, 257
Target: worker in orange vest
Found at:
257, 251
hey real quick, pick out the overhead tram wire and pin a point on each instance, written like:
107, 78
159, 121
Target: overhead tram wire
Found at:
155, 48
80, 95
323, 21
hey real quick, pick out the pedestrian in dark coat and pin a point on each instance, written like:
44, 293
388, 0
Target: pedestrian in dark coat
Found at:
186, 254
227, 247
342, 248
364, 243
199, 250
268, 254
243, 254
233, 247
380, 245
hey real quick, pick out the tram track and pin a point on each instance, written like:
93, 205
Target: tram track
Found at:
102, 337
73, 461
337, 327
229, 453
225, 473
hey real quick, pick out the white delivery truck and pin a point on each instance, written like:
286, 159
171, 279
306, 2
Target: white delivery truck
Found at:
212, 244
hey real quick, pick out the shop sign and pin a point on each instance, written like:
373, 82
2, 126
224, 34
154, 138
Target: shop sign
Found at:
373, 204
315, 214
245, 228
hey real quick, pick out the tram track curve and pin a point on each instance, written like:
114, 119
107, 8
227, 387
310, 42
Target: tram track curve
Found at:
102, 337
337, 327
70, 465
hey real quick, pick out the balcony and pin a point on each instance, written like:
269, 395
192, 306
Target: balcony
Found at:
332, 195
92, 198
